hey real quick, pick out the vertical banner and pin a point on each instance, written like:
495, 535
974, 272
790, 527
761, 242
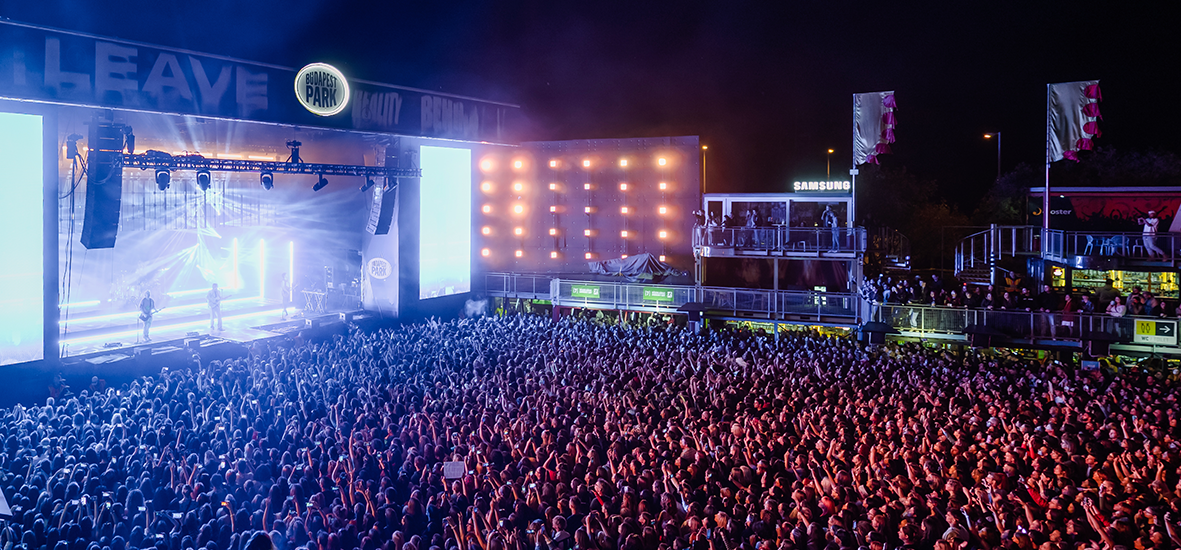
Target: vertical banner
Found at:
1072, 118
873, 126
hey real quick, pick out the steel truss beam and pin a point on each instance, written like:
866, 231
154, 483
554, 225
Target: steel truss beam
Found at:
164, 161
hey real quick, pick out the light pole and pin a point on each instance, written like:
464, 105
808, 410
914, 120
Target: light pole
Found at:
998, 151
704, 148
828, 170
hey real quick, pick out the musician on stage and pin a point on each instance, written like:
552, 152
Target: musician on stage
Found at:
285, 295
214, 299
147, 308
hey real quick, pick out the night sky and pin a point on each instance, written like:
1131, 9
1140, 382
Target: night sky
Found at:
767, 88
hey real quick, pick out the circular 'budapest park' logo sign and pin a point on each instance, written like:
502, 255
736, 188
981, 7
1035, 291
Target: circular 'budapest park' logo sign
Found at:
322, 89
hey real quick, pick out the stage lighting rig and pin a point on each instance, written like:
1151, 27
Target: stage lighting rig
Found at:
320, 184
204, 179
367, 185
268, 180
390, 184
163, 178
294, 146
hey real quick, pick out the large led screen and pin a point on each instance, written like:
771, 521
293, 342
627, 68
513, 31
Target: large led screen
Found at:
445, 223
22, 313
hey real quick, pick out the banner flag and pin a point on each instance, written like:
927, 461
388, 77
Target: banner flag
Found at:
873, 126
1072, 115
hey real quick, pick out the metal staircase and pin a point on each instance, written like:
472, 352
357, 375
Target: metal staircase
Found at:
980, 254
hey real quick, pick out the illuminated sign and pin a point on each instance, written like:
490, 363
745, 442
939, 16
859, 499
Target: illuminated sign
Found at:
584, 291
1155, 332
830, 186
322, 89
658, 294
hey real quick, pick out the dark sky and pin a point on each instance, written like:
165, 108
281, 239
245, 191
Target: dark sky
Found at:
766, 85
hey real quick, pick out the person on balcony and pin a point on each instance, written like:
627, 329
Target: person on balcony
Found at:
1013, 282
830, 220
1070, 310
1117, 309
1150, 224
1046, 304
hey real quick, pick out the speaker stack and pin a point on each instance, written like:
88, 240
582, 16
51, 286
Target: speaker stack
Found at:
104, 184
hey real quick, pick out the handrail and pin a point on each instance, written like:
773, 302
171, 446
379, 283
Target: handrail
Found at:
1014, 324
984, 249
783, 239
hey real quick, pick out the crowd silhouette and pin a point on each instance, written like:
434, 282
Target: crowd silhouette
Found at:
519, 433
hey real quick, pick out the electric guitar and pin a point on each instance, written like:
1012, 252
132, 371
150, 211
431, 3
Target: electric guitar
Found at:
148, 315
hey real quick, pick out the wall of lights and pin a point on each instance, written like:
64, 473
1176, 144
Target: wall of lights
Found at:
552, 206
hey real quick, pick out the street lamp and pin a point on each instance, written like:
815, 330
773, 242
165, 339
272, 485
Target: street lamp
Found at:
828, 169
704, 148
998, 151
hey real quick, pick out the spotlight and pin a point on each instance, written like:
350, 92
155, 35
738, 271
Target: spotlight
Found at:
553, 164
367, 185
518, 187
623, 210
486, 230
662, 235
486, 187
389, 185
517, 164
204, 178
485, 252
623, 163
518, 231
553, 254
553, 187
520, 253
553, 231
586, 164
487, 208
662, 258
661, 161
663, 186
163, 178
623, 233
294, 146
588, 255
623, 187
72, 146
320, 184
662, 210
268, 180
518, 209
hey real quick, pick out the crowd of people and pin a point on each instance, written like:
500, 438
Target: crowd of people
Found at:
1014, 295
519, 433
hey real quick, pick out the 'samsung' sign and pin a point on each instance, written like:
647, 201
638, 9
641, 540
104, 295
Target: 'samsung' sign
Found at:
833, 186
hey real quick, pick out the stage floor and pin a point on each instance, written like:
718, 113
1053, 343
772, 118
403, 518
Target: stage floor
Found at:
242, 321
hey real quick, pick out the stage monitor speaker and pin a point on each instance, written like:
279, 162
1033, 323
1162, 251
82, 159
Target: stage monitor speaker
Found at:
104, 185
1098, 348
381, 214
978, 340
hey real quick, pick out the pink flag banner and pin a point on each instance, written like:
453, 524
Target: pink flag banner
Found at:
1072, 118
873, 126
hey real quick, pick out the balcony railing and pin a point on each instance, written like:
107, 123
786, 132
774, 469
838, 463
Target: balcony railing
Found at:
732, 302
1013, 324
997, 243
516, 285
849, 240
1064, 245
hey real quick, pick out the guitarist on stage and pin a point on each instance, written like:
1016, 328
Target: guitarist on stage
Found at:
214, 299
147, 308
